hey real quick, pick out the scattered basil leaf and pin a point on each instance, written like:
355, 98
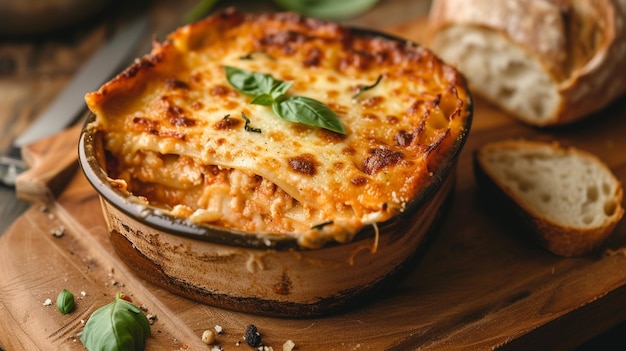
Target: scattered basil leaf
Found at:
308, 111
65, 301
119, 325
268, 91
363, 88
247, 127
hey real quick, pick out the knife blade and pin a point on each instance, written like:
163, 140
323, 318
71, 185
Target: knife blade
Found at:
68, 105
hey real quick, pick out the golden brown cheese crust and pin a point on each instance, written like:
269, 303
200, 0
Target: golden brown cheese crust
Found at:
175, 135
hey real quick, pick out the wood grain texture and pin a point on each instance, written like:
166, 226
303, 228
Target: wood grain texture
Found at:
51, 162
482, 284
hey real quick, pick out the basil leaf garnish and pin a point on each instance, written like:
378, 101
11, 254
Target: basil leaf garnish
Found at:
250, 83
119, 325
308, 111
268, 91
65, 301
280, 89
263, 99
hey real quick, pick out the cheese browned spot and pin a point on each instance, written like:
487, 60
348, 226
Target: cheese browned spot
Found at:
178, 134
381, 158
228, 123
304, 164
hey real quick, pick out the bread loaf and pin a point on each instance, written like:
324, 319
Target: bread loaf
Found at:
547, 62
569, 198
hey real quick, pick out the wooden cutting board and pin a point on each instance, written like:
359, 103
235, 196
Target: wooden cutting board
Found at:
481, 286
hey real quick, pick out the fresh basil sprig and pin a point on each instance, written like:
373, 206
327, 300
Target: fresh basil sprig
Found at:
65, 301
268, 91
119, 325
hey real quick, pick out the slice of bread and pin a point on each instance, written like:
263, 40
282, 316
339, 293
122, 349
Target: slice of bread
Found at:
569, 198
545, 62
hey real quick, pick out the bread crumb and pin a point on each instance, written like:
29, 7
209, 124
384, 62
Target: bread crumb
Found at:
289, 345
218, 329
116, 283
48, 302
151, 318
58, 231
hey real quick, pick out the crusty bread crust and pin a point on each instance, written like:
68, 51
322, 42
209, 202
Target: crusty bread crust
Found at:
559, 238
602, 78
580, 45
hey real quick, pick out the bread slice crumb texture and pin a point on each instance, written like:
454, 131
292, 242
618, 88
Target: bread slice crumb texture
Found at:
565, 186
501, 71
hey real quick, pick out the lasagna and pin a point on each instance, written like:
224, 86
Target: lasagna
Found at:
278, 123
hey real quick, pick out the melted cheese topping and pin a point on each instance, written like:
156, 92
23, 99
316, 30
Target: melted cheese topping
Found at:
175, 135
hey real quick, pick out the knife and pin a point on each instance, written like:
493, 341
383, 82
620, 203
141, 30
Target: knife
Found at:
68, 105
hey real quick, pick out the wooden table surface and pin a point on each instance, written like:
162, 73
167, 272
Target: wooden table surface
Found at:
33, 69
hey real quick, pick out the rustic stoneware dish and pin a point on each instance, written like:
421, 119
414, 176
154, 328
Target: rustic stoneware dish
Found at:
263, 273
266, 273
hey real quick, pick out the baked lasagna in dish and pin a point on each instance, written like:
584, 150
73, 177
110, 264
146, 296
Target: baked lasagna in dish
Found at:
277, 123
